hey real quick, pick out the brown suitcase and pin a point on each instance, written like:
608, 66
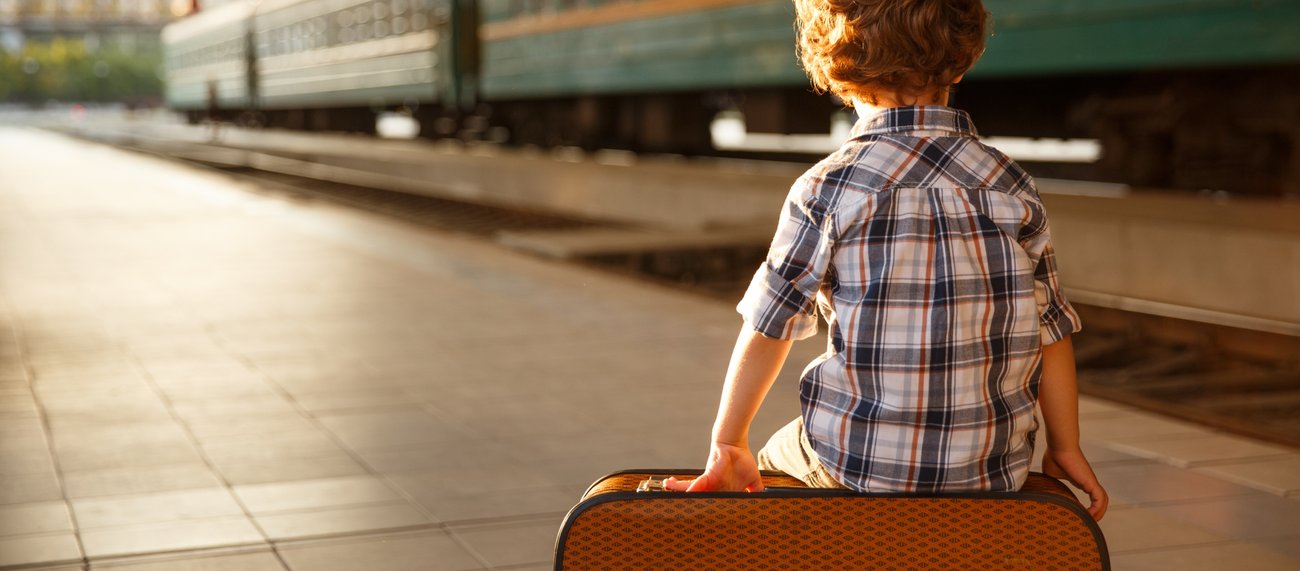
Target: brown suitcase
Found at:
791, 526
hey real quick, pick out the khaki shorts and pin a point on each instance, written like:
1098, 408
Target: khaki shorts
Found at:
789, 451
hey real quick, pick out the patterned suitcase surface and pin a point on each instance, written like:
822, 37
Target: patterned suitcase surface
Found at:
791, 526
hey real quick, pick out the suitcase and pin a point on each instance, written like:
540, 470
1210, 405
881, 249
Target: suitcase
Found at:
791, 526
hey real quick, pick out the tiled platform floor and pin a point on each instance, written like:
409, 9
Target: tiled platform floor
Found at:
196, 374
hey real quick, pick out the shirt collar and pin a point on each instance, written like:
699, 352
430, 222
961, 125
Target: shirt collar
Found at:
936, 119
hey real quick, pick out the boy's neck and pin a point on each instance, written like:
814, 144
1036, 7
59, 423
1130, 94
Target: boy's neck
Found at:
884, 100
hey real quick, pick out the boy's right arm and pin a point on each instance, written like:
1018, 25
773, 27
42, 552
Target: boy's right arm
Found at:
1058, 394
755, 363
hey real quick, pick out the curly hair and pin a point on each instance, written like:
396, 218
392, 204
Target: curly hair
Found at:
856, 48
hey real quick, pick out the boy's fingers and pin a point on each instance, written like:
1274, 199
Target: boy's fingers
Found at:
1097, 500
672, 484
703, 483
1100, 501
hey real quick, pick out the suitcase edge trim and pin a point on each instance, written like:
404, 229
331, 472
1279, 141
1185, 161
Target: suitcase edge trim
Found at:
783, 493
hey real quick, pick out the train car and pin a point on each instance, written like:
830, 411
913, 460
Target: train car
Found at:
1180, 93
1193, 94
207, 62
324, 64
643, 75
332, 64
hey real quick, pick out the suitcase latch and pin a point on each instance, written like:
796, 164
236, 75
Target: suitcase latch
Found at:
651, 484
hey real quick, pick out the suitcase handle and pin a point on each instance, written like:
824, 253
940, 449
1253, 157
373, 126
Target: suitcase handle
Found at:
653, 484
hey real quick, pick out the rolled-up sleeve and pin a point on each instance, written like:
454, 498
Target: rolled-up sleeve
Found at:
780, 301
1057, 318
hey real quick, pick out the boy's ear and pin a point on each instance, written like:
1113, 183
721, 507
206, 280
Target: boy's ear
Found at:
957, 79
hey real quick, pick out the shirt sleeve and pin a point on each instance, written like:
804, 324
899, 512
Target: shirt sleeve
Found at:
780, 301
1057, 318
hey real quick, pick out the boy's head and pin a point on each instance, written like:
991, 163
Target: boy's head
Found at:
861, 49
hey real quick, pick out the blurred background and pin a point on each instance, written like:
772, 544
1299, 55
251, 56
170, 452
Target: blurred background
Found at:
1188, 95
306, 279
89, 52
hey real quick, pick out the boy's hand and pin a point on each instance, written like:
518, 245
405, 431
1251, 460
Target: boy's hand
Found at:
1072, 466
731, 469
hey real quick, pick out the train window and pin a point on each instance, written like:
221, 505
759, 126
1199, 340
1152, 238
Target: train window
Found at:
399, 7
345, 18
399, 25
381, 29
379, 10
419, 22
361, 15
318, 36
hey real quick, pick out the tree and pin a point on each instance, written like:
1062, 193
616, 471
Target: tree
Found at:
64, 69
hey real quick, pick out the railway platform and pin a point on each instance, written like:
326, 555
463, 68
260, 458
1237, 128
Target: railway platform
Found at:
199, 374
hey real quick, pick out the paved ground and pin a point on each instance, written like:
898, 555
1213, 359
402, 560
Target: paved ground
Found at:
196, 374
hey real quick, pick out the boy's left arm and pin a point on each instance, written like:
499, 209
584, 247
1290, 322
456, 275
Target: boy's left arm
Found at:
754, 366
1059, 398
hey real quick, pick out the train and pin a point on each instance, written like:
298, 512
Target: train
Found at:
1180, 94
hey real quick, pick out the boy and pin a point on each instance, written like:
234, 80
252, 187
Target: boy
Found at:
929, 256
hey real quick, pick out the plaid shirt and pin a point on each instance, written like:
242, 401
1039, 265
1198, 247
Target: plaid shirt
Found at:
928, 254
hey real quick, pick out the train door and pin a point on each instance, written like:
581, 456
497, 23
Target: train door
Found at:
457, 55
